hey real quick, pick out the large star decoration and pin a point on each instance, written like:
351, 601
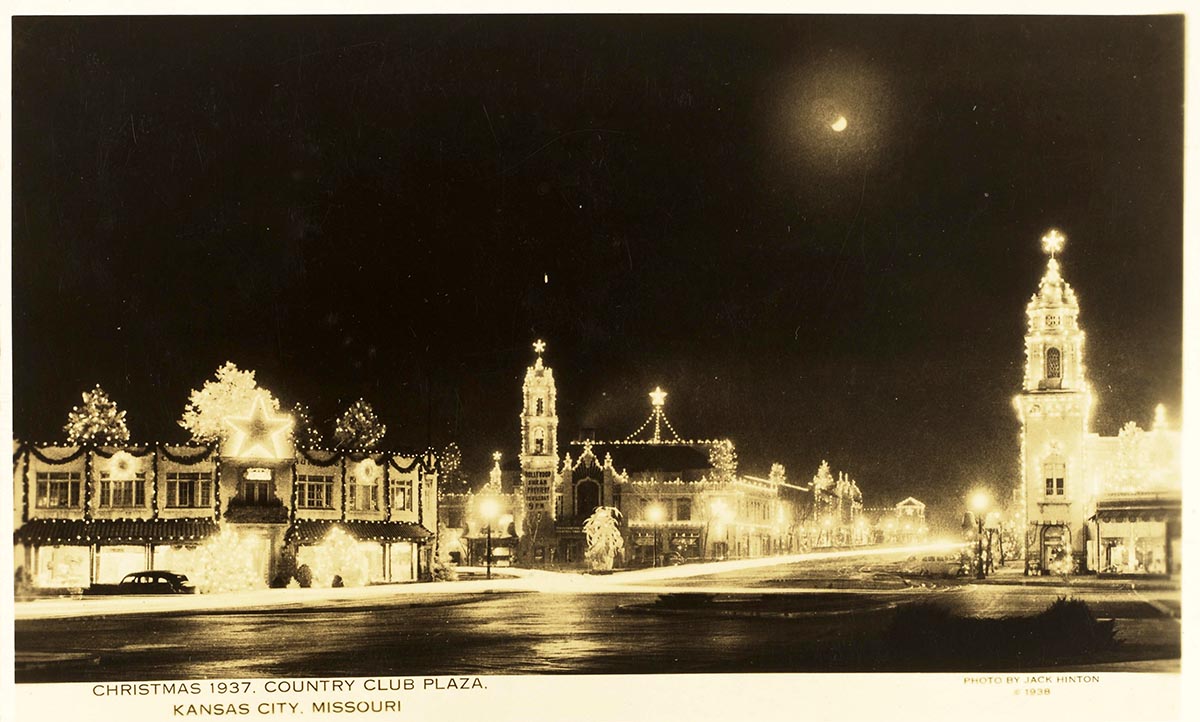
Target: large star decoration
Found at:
658, 397
259, 435
1053, 241
539, 347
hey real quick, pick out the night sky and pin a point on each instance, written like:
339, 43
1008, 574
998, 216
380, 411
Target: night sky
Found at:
396, 207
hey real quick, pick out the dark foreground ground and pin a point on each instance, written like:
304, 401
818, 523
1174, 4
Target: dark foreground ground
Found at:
534, 633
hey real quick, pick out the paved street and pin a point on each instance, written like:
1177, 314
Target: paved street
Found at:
574, 625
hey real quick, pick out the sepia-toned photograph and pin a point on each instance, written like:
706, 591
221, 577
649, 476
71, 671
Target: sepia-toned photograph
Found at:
363, 356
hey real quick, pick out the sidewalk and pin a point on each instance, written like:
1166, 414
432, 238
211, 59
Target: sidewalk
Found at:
1015, 574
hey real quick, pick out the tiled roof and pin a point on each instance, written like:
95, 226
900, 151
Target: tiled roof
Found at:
100, 531
313, 531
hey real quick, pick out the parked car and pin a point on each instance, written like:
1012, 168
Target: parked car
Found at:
148, 582
933, 565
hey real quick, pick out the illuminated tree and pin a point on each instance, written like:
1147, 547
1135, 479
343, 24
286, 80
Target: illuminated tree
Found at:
604, 541
452, 479
1133, 458
97, 421
778, 474
358, 427
723, 457
230, 392
823, 478
304, 432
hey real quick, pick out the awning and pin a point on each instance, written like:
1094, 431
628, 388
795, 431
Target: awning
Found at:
1128, 515
110, 531
313, 531
1138, 507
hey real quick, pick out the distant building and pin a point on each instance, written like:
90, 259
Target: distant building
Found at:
470, 522
250, 509
678, 499
1106, 504
903, 523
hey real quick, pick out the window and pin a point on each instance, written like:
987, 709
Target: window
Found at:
539, 441
539, 407
401, 490
122, 492
1053, 363
255, 492
1055, 474
361, 497
683, 509
189, 489
57, 489
314, 491
1051, 322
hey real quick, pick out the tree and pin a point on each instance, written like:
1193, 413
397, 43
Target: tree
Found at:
452, 479
358, 427
229, 393
1133, 458
304, 432
824, 477
603, 532
723, 457
97, 421
778, 474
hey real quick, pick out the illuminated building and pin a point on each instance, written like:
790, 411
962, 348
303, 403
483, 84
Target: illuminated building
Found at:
903, 523
464, 523
1107, 504
91, 514
707, 510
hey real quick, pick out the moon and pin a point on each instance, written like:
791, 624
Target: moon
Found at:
839, 124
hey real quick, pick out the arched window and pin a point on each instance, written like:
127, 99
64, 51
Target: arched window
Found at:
538, 408
1053, 363
539, 441
587, 497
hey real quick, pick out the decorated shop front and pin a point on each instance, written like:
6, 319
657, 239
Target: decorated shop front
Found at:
229, 518
1138, 534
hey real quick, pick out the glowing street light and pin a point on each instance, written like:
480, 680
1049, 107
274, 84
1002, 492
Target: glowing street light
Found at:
655, 513
723, 514
979, 504
489, 509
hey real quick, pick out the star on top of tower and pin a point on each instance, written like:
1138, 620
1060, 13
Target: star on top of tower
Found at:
259, 434
539, 347
1053, 241
658, 397
496, 456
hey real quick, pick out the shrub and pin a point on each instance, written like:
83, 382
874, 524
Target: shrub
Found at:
304, 575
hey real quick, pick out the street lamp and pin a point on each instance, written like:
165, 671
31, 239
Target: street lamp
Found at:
489, 508
655, 514
979, 505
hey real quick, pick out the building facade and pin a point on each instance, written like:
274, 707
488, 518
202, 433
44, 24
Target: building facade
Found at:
240, 515
1090, 503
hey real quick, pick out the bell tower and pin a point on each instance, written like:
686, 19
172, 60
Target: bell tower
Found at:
1054, 408
539, 438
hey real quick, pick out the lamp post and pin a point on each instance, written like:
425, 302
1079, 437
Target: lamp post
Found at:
979, 505
655, 514
488, 509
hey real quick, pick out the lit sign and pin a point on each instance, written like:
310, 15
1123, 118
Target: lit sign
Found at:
258, 473
537, 489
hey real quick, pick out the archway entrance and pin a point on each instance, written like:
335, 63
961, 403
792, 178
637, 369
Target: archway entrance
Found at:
587, 497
